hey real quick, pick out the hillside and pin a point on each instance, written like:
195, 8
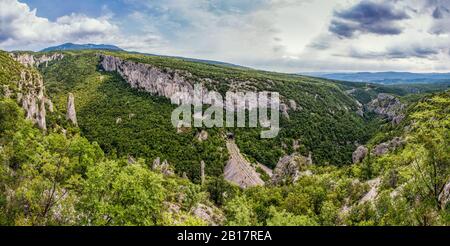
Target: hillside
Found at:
322, 107
347, 154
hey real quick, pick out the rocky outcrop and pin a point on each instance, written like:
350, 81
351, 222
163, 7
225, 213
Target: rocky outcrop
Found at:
71, 112
32, 60
289, 169
388, 107
379, 150
359, 154
31, 95
202, 136
373, 192
157, 81
30, 91
292, 104
284, 110
168, 83
386, 147
211, 215
163, 167
444, 197
239, 171
202, 172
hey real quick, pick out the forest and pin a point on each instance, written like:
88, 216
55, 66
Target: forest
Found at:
102, 170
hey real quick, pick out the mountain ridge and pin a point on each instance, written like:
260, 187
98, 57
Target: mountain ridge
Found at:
73, 46
389, 77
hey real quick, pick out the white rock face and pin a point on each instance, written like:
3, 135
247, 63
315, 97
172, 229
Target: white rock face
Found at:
71, 112
32, 97
387, 106
31, 93
31, 60
172, 84
149, 78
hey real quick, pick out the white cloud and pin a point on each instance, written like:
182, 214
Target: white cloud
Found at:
282, 35
21, 27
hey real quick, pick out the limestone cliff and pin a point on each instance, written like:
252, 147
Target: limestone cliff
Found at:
165, 83
387, 106
30, 93
71, 112
169, 83
32, 98
32, 60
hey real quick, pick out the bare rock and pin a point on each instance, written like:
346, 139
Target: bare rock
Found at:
32, 60
202, 136
384, 148
296, 145
373, 192
202, 172
209, 214
50, 105
388, 107
71, 112
284, 110
359, 154
156, 164
360, 112
288, 169
163, 167
131, 159
292, 104
444, 197
161, 82
31, 95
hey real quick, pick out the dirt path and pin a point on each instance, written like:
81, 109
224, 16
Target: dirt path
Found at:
238, 170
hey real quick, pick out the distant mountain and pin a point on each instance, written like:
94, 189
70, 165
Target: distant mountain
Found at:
71, 46
386, 77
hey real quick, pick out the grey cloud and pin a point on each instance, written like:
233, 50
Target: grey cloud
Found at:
368, 17
406, 52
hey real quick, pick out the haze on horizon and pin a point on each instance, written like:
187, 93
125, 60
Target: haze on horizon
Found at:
279, 35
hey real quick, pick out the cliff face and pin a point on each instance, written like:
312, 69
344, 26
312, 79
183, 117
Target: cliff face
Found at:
30, 92
149, 78
169, 83
31, 60
387, 106
31, 95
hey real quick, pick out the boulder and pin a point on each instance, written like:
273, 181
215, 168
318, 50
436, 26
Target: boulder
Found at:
359, 154
288, 169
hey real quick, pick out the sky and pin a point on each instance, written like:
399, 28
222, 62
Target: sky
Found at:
278, 35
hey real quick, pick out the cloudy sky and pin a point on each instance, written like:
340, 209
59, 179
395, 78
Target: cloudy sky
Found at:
279, 35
